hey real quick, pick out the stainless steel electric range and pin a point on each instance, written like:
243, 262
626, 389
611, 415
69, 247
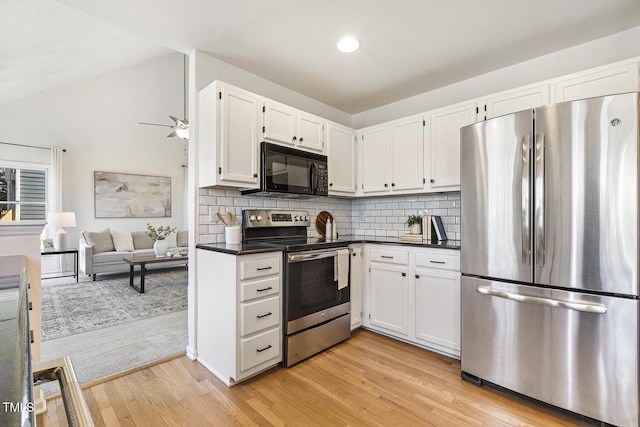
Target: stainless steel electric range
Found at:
316, 292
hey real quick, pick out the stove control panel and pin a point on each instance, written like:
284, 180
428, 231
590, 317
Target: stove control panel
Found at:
253, 218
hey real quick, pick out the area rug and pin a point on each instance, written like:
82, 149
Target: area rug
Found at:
104, 352
75, 308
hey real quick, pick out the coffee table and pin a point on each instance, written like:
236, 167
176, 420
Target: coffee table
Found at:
143, 260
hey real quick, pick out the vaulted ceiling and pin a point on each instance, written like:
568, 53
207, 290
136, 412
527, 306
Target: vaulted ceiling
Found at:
407, 47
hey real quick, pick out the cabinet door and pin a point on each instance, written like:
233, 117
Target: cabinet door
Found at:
599, 82
375, 153
356, 286
438, 308
310, 132
407, 147
389, 287
516, 100
341, 153
239, 136
444, 145
280, 123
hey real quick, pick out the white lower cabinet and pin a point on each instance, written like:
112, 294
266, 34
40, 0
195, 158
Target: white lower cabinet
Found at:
437, 305
389, 297
239, 310
414, 294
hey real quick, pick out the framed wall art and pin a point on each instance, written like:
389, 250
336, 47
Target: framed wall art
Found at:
121, 195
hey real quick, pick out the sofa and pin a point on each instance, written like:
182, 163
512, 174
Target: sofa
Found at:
104, 251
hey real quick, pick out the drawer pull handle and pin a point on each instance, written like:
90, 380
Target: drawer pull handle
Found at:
264, 268
386, 256
417, 276
260, 316
260, 350
264, 289
437, 262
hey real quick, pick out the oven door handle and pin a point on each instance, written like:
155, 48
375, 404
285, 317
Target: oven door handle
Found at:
310, 256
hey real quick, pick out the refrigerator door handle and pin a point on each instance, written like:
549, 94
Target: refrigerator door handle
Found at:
539, 200
526, 199
549, 302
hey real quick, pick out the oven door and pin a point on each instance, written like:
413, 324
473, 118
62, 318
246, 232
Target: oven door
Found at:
311, 289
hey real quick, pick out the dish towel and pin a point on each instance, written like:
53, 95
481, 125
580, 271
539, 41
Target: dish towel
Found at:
342, 268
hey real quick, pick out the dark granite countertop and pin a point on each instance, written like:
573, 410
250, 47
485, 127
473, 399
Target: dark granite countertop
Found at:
256, 248
445, 244
239, 249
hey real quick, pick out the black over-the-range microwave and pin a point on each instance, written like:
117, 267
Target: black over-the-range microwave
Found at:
289, 171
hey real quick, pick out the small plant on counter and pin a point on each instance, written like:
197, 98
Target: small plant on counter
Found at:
414, 219
159, 233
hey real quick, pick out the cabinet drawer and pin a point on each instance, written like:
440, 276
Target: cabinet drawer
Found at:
442, 260
259, 267
390, 256
259, 349
262, 314
259, 288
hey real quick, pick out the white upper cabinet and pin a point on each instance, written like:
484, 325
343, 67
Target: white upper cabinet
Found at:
512, 101
289, 126
597, 82
310, 132
392, 156
407, 148
443, 141
374, 142
341, 157
280, 123
228, 136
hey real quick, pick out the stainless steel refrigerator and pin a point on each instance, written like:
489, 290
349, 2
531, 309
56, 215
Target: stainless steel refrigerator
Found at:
549, 255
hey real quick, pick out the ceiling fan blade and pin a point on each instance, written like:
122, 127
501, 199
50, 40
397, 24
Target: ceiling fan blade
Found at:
154, 124
172, 134
179, 122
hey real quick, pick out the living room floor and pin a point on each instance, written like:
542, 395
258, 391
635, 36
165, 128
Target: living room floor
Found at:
106, 327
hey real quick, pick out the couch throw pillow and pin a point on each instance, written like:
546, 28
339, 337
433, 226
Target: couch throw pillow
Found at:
172, 240
122, 241
141, 240
101, 241
183, 238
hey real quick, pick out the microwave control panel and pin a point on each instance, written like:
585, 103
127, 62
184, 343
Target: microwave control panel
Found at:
323, 178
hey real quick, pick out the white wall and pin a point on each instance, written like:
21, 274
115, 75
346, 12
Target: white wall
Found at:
606, 50
209, 69
96, 120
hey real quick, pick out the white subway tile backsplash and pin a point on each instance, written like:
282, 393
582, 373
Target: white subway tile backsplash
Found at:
371, 216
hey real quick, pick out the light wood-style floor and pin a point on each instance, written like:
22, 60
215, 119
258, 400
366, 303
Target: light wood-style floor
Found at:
369, 380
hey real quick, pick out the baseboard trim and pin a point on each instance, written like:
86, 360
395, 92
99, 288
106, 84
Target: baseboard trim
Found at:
191, 353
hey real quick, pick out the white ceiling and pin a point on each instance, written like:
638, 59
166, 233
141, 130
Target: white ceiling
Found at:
407, 46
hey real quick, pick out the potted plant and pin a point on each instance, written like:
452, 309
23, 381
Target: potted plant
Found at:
415, 224
159, 235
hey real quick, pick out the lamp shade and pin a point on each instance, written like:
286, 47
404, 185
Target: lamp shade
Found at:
61, 219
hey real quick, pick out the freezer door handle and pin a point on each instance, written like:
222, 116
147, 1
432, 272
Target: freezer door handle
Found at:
549, 302
526, 193
539, 196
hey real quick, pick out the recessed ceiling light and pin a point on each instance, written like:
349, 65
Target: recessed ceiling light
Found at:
348, 44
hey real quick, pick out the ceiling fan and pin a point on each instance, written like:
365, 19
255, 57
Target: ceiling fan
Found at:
180, 129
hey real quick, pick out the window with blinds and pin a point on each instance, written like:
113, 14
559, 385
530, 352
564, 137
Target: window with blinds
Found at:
23, 194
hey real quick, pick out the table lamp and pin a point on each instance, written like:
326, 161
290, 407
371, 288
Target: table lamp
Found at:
60, 220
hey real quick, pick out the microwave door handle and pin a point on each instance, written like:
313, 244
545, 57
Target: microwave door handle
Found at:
314, 178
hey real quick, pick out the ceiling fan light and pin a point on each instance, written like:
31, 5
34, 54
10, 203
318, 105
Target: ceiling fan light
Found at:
182, 132
348, 44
